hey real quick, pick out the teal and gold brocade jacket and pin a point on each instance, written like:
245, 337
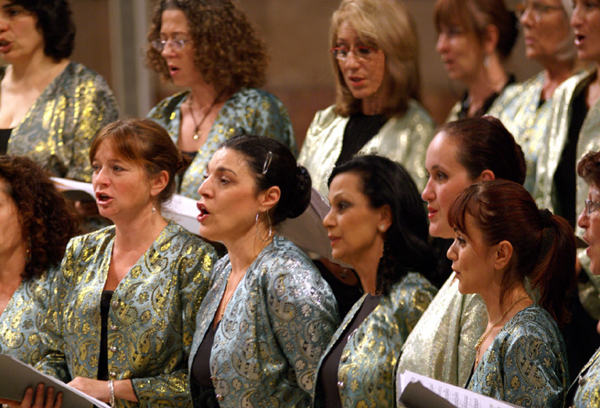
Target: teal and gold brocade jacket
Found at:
442, 344
250, 110
152, 316
21, 323
526, 364
368, 361
402, 139
58, 129
272, 334
587, 385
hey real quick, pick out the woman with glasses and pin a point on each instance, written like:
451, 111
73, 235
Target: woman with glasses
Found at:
375, 63
475, 37
585, 390
210, 47
50, 107
524, 108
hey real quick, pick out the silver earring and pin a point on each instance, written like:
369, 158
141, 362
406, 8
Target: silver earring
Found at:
381, 227
270, 227
153, 208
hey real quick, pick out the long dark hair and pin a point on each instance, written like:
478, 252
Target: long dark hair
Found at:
544, 246
385, 182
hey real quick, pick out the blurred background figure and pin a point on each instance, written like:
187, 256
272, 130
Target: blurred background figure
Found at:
467, 151
475, 38
378, 225
36, 227
376, 66
268, 315
210, 47
521, 261
50, 107
123, 314
524, 108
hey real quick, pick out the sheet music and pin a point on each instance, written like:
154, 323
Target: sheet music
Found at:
16, 377
457, 396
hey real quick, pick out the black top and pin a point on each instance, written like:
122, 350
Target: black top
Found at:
565, 178
103, 359
4, 136
328, 374
465, 103
201, 364
359, 130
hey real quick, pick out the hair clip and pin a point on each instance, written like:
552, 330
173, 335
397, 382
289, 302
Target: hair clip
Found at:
267, 162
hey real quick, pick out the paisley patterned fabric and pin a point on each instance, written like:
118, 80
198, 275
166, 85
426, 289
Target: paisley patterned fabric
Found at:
58, 129
520, 111
367, 364
402, 139
442, 344
272, 334
526, 363
21, 322
152, 316
587, 385
252, 111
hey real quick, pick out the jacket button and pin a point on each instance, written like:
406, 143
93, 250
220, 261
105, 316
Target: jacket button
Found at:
113, 349
220, 397
115, 303
112, 374
344, 358
340, 385
113, 328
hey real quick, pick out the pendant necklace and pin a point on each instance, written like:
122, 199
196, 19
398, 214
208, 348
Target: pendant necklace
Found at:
488, 331
197, 126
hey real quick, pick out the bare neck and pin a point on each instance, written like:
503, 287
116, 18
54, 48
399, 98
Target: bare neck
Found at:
555, 74
366, 269
139, 233
36, 72
204, 95
489, 80
245, 249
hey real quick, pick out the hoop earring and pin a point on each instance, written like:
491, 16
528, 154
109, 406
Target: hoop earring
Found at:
270, 227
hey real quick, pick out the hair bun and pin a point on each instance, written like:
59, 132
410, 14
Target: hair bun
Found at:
183, 163
302, 193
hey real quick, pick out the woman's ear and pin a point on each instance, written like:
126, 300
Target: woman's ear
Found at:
504, 254
487, 175
270, 197
490, 41
385, 218
158, 183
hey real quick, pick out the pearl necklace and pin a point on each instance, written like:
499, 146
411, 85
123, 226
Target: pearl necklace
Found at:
488, 331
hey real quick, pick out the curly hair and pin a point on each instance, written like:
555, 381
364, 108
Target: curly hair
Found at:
47, 222
55, 21
388, 26
228, 50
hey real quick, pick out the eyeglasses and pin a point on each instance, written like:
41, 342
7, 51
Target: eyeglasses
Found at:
362, 52
177, 45
537, 9
591, 206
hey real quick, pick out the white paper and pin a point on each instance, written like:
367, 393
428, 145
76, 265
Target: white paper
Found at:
458, 396
16, 377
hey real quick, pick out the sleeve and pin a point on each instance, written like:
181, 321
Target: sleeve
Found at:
418, 297
53, 360
303, 315
170, 389
273, 120
532, 371
95, 107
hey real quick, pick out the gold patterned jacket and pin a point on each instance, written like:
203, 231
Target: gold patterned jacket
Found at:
57, 131
587, 385
22, 321
273, 332
152, 315
402, 139
520, 111
589, 140
252, 111
442, 344
368, 361
526, 364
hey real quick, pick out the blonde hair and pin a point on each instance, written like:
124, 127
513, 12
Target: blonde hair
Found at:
387, 25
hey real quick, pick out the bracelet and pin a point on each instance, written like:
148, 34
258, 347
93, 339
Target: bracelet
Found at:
111, 389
